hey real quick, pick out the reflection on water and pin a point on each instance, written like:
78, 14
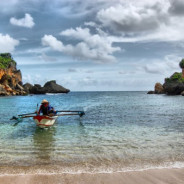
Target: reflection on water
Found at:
44, 144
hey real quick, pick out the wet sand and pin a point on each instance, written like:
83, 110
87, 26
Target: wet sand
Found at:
157, 176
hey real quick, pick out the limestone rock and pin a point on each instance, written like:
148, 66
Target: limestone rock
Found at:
19, 87
53, 87
8, 89
2, 90
10, 77
159, 88
27, 87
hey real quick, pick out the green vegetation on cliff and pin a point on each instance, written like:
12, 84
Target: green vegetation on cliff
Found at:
176, 77
5, 60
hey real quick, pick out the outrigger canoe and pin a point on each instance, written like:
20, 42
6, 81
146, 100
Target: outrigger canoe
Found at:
46, 121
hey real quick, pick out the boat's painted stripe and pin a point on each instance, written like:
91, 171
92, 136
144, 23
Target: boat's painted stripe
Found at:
39, 118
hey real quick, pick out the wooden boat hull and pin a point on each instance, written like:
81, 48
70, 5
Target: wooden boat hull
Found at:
44, 121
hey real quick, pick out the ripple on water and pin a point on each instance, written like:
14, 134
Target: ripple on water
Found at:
121, 130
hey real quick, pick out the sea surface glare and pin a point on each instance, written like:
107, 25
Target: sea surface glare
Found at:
120, 131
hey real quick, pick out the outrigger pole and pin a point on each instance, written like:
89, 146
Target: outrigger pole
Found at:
21, 116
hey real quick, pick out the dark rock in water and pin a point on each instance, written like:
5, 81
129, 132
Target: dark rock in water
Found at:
159, 89
37, 89
49, 87
173, 87
150, 92
52, 87
28, 87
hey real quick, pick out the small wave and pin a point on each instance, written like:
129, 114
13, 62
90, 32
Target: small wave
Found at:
52, 170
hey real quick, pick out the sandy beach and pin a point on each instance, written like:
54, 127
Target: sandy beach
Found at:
157, 176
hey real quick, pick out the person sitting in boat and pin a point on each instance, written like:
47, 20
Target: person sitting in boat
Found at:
46, 109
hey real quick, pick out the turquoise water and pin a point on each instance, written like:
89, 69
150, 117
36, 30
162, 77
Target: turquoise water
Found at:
120, 131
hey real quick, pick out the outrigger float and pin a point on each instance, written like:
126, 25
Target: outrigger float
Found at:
48, 120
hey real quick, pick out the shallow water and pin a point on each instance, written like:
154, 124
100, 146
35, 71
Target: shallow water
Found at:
120, 131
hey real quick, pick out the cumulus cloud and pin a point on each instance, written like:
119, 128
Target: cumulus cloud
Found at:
131, 18
27, 21
7, 43
89, 46
49, 40
144, 20
78, 33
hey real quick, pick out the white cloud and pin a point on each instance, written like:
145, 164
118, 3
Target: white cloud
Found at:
94, 47
132, 18
7, 43
27, 21
91, 24
78, 33
96, 41
51, 41
144, 20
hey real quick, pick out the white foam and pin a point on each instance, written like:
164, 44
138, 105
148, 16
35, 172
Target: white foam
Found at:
168, 165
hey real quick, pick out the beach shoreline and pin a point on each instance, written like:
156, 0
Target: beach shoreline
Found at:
152, 176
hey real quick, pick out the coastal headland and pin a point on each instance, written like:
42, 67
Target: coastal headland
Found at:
174, 85
11, 80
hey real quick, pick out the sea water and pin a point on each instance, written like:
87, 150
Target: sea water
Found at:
120, 131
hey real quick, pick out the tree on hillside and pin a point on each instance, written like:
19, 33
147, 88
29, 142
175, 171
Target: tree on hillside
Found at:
182, 67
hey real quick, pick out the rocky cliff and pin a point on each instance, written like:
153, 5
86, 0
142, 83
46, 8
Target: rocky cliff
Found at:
10, 77
11, 80
174, 85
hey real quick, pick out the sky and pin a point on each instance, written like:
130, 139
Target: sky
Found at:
99, 45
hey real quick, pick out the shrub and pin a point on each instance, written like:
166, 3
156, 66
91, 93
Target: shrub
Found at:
181, 63
6, 55
5, 60
176, 77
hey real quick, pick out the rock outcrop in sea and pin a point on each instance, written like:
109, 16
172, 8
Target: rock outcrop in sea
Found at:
49, 87
174, 85
11, 80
